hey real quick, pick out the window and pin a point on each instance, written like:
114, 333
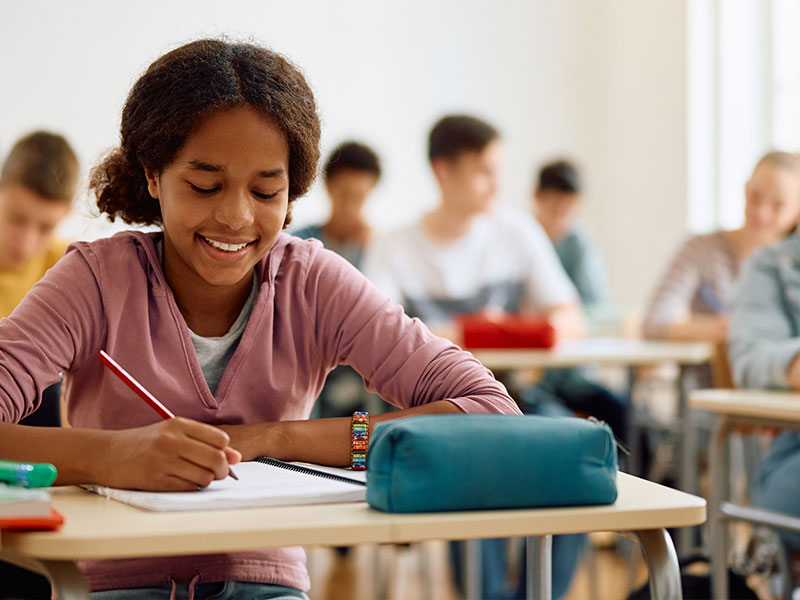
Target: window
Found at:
743, 98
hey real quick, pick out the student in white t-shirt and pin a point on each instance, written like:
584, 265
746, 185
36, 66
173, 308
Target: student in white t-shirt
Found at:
465, 256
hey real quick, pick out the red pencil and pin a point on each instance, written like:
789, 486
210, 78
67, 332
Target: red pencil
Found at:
141, 391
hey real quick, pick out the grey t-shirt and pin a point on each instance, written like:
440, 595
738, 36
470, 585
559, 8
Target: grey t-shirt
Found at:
214, 353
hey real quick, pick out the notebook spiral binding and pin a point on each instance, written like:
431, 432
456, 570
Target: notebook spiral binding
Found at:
307, 470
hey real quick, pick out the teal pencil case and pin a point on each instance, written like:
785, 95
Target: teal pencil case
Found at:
473, 462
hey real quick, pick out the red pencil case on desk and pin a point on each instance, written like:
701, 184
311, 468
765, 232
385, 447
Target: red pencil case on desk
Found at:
506, 331
52, 521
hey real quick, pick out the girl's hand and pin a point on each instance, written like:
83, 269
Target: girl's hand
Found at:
173, 455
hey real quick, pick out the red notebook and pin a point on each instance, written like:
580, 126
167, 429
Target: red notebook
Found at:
506, 331
53, 521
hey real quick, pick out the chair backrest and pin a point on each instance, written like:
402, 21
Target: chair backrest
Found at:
721, 373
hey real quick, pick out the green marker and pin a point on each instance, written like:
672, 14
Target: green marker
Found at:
27, 474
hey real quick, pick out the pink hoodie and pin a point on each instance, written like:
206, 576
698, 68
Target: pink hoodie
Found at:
313, 312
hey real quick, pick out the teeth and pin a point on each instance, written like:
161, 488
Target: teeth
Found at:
225, 247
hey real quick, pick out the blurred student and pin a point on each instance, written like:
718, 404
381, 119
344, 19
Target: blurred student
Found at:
467, 256
37, 184
689, 303
764, 350
557, 201
557, 197
351, 174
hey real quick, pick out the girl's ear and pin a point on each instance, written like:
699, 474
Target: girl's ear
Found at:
152, 183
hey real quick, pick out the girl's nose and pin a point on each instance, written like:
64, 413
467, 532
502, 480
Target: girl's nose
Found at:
235, 210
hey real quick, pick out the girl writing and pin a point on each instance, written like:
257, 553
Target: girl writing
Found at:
230, 322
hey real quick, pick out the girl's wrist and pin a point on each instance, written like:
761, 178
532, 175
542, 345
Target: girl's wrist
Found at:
96, 461
266, 439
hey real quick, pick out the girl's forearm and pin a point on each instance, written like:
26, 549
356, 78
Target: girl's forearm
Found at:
320, 441
76, 453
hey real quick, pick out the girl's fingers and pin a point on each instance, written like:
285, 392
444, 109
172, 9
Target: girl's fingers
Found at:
233, 455
195, 474
209, 458
208, 434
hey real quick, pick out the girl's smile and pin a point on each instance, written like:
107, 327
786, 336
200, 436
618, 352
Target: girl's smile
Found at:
221, 250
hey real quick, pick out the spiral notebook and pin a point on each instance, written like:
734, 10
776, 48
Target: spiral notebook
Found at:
262, 482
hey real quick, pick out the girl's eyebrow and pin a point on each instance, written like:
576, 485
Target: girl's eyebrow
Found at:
199, 165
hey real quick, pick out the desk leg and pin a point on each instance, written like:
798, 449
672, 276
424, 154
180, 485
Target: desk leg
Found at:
539, 570
64, 575
717, 523
473, 569
633, 464
688, 457
662, 564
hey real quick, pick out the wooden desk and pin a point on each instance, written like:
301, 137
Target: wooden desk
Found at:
97, 527
604, 352
734, 408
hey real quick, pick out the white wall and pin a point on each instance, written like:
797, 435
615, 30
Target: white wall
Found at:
635, 140
603, 81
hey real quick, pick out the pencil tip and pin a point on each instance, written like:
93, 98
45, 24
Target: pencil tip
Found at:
232, 474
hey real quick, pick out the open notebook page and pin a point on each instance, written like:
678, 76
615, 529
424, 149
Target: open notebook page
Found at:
258, 485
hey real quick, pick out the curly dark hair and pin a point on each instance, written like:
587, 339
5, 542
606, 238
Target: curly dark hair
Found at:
182, 89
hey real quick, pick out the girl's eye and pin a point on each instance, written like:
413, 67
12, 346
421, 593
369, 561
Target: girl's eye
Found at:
264, 196
203, 190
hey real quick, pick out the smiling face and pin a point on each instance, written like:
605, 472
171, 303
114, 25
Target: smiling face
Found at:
772, 201
223, 199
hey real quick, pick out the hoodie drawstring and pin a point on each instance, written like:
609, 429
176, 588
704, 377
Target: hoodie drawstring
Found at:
192, 583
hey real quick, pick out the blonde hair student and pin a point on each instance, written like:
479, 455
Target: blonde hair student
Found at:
690, 301
38, 182
229, 321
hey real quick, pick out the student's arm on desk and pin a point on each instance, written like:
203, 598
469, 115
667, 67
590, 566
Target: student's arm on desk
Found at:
567, 320
178, 454
697, 328
320, 441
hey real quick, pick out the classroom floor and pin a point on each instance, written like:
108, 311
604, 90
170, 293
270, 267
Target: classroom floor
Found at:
417, 573
414, 573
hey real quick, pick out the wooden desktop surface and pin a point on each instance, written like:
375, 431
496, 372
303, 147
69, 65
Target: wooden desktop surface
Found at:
755, 404
97, 527
597, 351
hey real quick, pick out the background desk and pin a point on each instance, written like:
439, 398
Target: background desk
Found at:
97, 527
734, 408
604, 352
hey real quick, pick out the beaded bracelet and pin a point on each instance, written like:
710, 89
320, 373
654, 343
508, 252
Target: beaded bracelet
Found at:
358, 449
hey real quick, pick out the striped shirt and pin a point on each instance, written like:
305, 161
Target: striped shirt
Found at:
698, 281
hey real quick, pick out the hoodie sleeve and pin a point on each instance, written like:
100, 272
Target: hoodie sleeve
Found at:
53, 329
